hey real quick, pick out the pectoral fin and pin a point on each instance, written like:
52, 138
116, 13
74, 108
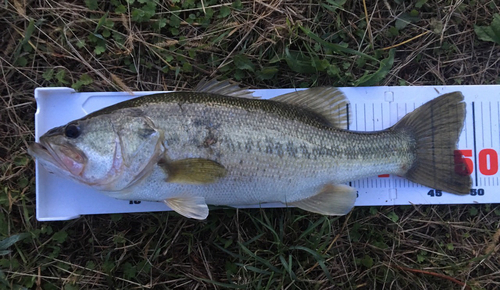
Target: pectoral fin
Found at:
333, 199
189, 206
193, 170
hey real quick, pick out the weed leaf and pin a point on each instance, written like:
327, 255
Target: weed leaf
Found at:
242, 62
298, 62
407, 18
225, 11
92, 4
420, 3
267, 72
489, 33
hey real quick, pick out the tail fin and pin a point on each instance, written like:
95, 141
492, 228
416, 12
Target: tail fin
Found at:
435, 127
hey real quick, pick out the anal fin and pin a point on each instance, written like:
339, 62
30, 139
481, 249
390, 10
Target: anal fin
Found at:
333, 199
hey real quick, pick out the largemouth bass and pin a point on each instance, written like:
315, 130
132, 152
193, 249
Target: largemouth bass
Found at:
219, 145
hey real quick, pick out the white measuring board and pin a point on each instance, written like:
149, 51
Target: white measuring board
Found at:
373, 108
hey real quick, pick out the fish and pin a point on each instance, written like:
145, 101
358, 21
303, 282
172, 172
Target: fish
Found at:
220, 145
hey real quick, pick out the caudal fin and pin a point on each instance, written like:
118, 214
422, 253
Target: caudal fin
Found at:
435, 127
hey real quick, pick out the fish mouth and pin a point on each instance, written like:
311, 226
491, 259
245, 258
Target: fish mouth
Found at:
64, 157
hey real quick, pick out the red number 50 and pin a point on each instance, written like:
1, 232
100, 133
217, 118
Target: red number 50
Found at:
487, 160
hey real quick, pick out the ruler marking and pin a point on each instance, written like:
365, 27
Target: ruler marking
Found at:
347, 110
397, 112
373, 114
364, 113
356, 112
465, 132
491, 127
382, 115
482, 124
432, 137
474, 140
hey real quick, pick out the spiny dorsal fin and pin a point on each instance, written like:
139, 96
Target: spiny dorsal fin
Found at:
328, 102
192, 170
225, 88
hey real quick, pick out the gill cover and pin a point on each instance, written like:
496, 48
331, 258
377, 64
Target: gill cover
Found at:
138, 148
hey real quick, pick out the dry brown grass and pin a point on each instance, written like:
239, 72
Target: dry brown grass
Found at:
419, 247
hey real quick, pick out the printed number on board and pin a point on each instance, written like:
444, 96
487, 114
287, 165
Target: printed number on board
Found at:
477, 192
435, 193
439, 193
487, 160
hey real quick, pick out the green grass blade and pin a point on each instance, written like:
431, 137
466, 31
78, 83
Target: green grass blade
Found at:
335, 47
380, 74
319, 258
225, 285
7, 242
259, 259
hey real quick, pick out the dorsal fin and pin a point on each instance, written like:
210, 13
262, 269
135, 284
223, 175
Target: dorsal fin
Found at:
225, 88
328, 102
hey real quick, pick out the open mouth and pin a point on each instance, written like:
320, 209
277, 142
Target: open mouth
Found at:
64, 157
39, 151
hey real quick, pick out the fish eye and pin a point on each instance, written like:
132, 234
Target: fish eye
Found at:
72, 131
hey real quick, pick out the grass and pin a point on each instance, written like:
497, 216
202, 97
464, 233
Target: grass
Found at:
145, 45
